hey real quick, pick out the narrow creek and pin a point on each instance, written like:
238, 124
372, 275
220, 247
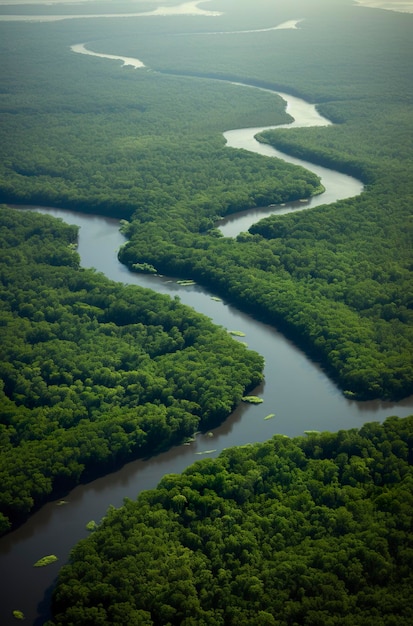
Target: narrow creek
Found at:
295, 390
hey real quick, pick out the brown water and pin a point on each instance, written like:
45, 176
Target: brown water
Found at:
295, 390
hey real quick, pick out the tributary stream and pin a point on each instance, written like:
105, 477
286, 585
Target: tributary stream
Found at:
295, 390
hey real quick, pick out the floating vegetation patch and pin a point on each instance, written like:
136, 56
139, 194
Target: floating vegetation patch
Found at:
252, 399
349, 394
18, 614
237, 333
46, 560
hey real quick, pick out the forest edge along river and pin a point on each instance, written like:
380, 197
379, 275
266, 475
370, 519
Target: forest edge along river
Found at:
295, 390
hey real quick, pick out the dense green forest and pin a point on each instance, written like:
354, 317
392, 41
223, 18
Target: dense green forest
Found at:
95, 373
146, 145
313, 530
337, 279
128, 141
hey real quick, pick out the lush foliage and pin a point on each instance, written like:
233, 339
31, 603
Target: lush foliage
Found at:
93, 372
120, 142
316, 530
337, 279
147, 146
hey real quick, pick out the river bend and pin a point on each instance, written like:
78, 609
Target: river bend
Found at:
295, 390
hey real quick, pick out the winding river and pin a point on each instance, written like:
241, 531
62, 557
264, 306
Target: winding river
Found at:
185, 8
295, 390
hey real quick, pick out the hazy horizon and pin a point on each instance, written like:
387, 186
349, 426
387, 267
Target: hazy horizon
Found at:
403, 6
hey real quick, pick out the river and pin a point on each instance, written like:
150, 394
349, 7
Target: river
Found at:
185, 8
295, 390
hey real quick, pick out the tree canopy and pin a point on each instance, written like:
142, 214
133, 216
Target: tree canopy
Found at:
94, 372
146, 145
314, 530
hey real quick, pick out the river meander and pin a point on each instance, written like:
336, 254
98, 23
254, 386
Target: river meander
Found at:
295, 390
185, 8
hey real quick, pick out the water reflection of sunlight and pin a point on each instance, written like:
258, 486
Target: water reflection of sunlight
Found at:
186, 8
400, 6
290, 25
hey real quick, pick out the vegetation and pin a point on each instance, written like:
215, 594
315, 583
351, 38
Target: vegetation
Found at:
18, 614
336, 279
148, 147
93, 372
46, 560
146, 268
126, 155
315, 530
252, 399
